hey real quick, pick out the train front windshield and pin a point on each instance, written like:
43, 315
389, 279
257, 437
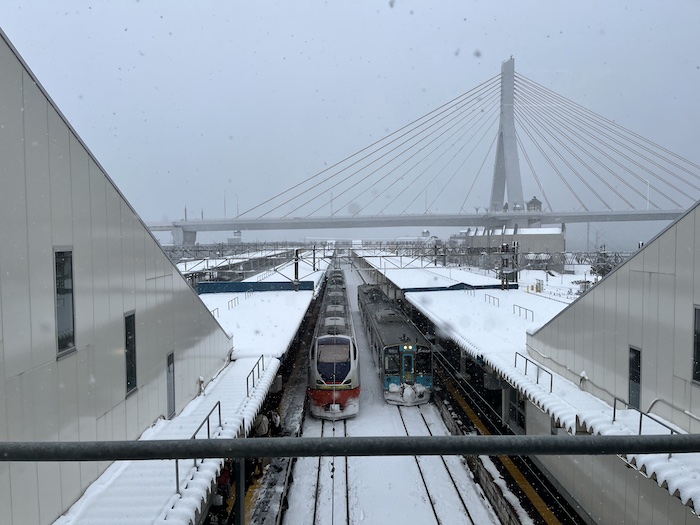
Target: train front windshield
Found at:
333, 361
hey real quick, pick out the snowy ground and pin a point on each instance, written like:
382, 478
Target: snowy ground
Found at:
382, 489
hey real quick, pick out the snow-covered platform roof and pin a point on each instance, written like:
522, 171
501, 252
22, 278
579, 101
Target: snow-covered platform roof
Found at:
413, 274
262, 326
144, 491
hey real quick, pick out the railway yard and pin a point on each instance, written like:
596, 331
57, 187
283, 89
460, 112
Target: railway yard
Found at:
427, 489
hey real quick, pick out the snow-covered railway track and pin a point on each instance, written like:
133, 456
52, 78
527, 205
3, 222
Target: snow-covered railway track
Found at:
441, 487
332, 502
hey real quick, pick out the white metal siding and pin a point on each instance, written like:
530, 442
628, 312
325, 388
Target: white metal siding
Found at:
54, 194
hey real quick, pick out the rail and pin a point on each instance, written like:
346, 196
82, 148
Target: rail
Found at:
492, 300
672, 431
539, 369
522, 309
257, 367
206, 421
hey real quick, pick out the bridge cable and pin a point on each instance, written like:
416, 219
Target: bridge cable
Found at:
337, 164
610, 128
452, 118
602, 152
614, 126
528, 114
486, 157
532, 170
420, 192
408, 140
575, 122
376, 170
458, 169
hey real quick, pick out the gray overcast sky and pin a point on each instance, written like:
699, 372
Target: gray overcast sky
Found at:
180, 101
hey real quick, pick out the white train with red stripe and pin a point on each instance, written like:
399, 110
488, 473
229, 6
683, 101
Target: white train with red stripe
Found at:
334, 370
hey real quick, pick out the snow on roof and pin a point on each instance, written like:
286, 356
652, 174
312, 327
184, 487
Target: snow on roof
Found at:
144, 491
260, 322
211, 263
551, 230
492, 325
407, 273
479, 231
200, 265
310, 269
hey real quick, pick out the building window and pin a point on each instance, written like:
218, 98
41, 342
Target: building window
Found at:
65, 313
635, 377
696, 347
130, 351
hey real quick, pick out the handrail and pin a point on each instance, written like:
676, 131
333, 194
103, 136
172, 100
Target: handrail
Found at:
194, 436
233, 302
492, 300
215, 312
523, 309
258, 364
641, 417
538, 367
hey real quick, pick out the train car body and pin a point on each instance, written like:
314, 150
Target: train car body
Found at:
404, 357
334, 370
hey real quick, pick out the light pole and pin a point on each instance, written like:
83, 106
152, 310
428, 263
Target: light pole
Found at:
237, 214
225, 203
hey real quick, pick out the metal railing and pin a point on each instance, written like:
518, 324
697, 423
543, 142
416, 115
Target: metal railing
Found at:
492, 300
672, 431
522, 309
256, 371
538, 368
194, 436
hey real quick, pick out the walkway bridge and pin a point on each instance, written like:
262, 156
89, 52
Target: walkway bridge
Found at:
579, 166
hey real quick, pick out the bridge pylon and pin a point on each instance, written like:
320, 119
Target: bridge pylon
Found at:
506, 172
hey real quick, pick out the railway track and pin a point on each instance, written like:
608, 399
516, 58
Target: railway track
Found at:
332, 504
437, 473
536, 494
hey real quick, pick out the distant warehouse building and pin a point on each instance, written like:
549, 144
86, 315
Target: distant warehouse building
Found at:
100, 336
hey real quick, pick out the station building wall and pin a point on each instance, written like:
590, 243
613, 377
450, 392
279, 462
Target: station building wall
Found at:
55, 198
646, 306
606, 487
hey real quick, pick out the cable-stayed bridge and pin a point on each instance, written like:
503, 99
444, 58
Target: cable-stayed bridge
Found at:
471, 162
